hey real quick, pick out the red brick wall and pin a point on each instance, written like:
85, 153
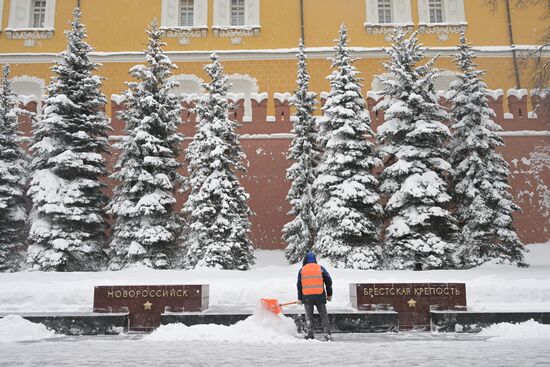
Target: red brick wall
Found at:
527, 149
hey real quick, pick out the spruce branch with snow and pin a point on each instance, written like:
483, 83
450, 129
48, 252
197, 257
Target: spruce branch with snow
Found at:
348, 209
13, 178
146, 225
484, 204
421, 231
67, 219
299, 233
217, 214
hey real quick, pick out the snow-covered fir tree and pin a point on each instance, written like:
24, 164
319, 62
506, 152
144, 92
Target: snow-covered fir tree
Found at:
299, 233
421, 231
146, 225
68, 220
348, 209
484, 204
216, 212
13, 178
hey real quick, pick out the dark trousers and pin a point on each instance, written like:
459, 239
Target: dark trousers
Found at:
322, 309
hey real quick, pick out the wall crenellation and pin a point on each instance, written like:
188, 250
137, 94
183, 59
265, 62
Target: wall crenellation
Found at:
521, 115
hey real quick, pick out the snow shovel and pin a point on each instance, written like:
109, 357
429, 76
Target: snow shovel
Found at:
273, 305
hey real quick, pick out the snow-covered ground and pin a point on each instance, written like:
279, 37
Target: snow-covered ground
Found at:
490, 287
392, 349
268, 340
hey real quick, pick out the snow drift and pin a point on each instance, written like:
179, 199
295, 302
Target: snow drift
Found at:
525, 330
263, 327
14, 328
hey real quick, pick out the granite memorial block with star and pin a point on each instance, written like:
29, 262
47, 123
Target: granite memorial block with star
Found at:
412, 301
146, 303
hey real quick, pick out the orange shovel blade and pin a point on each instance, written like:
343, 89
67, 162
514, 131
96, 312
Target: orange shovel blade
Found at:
271, 305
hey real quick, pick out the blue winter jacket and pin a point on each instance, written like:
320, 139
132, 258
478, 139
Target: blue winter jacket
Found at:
310, 258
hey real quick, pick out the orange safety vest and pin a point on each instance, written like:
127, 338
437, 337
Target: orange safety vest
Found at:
312, 279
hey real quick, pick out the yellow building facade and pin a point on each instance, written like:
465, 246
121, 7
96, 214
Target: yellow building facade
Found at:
257, 39
257, 43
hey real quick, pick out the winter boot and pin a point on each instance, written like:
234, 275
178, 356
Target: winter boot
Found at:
308, 336
328, 337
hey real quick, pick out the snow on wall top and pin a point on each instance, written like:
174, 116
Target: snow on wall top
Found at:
374, 95
259, 97
494, 93
282, 97
518, 93
189, 97
446, 94
118, 98
235, 96
543, 93
25, 100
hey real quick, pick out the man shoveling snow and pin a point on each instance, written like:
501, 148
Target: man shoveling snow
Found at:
312, 280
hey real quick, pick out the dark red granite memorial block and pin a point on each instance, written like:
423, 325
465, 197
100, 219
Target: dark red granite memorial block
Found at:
412, 301
145, 303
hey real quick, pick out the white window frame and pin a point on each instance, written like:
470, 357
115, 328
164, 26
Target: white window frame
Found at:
20, 15
187, 7
400, 12
222, 14
383, 11
454, 19
436, 8
453, 12
171, 14
238, 13
41, 14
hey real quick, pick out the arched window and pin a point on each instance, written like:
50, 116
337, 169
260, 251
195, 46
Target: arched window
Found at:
29, 87
189, 84
376, 84
246, 85
444, 80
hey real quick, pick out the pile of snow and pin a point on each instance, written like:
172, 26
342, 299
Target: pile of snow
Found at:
263, 327
14, 328
526, 330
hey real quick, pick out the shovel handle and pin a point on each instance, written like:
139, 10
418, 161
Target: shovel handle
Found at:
288, 303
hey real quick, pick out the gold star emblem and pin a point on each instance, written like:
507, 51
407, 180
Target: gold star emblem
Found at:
412, 303
147, 305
